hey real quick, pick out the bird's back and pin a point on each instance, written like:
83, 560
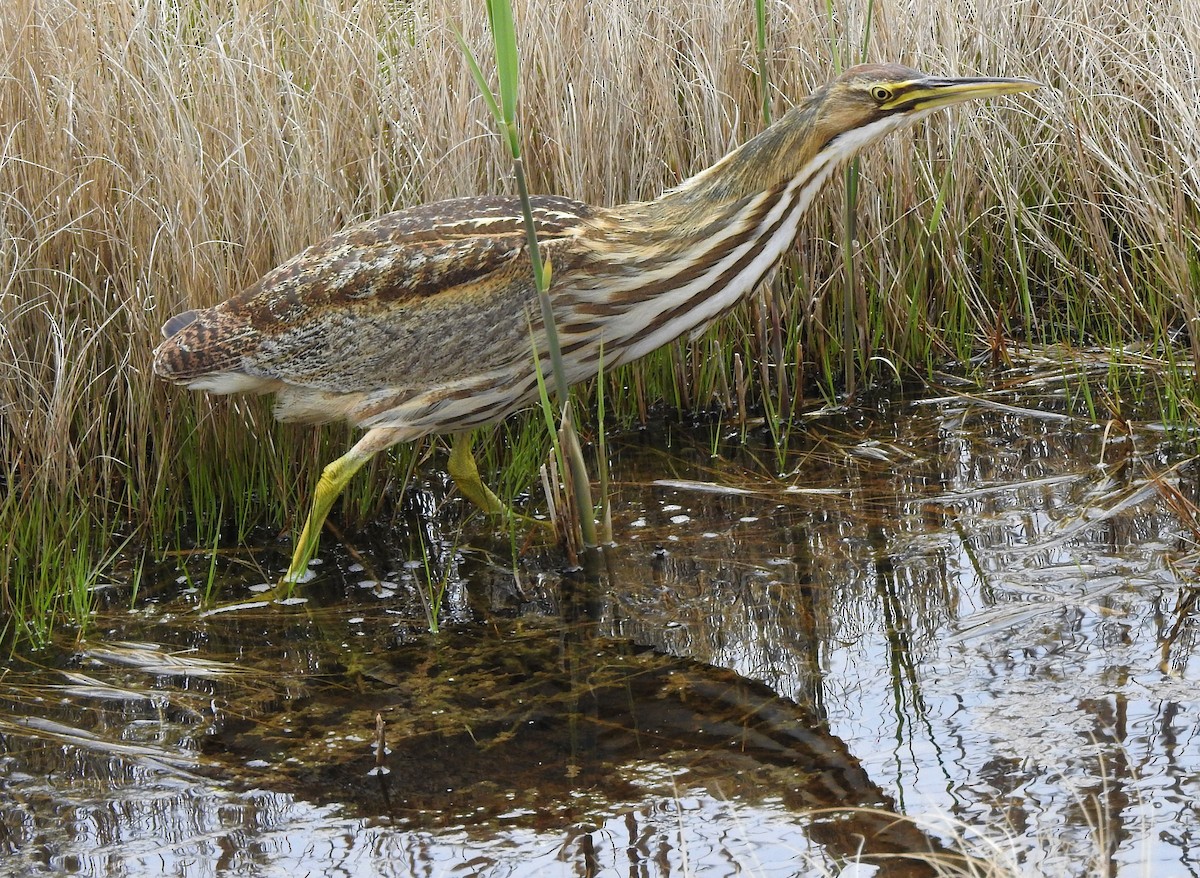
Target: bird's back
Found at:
412, 300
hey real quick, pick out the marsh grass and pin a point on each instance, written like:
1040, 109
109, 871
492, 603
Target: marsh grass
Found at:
159, 156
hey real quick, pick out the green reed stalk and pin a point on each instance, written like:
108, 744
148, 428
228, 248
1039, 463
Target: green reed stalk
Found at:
605, 516
504, 40
854, 310
764, 73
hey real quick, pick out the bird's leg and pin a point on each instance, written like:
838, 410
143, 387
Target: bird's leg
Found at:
333, 481
465, 473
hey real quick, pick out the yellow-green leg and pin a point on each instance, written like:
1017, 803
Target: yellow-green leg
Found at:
466, 476
333, 481
465, 473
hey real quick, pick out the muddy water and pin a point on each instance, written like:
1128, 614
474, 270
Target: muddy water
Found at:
976, 611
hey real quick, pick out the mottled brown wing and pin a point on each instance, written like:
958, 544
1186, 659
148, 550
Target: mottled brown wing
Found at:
424, 295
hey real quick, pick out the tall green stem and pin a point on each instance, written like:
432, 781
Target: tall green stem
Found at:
504, 40
764, 74
572, 452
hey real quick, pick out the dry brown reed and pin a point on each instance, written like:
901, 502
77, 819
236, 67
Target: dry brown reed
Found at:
159, 155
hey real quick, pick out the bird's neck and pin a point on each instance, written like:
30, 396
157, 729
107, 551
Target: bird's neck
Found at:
770, 160
676, 263
787, 160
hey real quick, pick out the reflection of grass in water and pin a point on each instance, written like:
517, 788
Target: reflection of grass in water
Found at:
433, 589
213, 146
1086, 844
437, 693
995, 850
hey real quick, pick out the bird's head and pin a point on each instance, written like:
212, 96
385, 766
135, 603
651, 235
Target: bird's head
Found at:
867, 101
829, 127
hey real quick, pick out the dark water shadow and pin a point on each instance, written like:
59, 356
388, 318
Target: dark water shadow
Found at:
537, 724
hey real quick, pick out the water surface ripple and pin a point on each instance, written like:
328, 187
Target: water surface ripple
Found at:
973, 611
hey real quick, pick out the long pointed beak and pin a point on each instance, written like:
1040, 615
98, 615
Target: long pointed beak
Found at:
934, 92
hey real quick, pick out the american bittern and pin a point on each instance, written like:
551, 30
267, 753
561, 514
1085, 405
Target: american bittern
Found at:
425, 320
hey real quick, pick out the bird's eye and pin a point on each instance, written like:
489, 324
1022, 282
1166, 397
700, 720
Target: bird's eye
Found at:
881, 93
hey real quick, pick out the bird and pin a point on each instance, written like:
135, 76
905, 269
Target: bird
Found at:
426, 321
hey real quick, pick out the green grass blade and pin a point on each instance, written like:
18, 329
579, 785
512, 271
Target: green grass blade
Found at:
504, 37
764, 73
480, 80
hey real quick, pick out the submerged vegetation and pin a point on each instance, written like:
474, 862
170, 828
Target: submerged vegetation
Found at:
155, 156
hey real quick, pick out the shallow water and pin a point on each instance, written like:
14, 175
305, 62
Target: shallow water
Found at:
975, 611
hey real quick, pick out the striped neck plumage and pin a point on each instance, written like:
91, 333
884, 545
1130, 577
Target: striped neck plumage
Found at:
785, 151
790, 159
674, 264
